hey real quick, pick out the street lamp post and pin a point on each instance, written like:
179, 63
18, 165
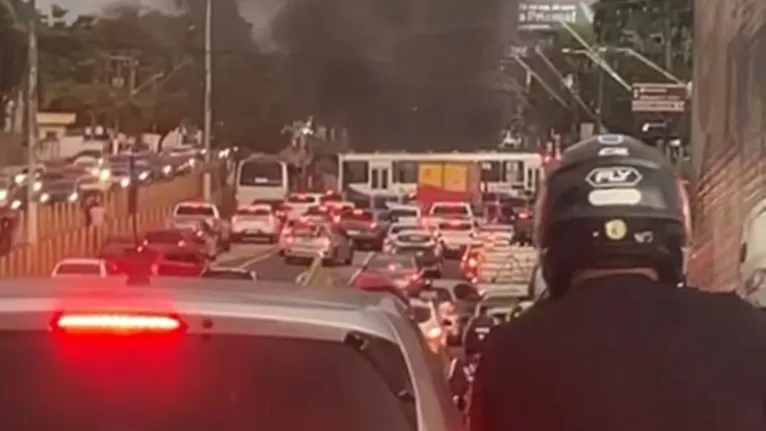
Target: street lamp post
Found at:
31, 108
207, 186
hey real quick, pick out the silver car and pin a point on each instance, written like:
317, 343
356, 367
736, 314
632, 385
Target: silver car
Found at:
198, 351
310, 241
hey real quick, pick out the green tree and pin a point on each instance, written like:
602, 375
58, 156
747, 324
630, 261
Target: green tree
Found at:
13, 51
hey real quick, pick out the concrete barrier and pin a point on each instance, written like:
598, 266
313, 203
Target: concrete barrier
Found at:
73, 239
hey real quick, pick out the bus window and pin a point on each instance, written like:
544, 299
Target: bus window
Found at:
514, 172
261, 173
355, 172
405, 172
491, 172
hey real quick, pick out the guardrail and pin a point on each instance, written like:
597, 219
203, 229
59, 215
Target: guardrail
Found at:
155, 202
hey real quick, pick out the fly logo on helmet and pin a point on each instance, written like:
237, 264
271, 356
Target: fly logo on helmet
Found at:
614, 176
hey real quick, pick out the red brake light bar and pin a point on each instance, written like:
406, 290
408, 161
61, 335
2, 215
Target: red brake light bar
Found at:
116, 323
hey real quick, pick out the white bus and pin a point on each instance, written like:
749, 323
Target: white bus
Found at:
396, 174
261, 178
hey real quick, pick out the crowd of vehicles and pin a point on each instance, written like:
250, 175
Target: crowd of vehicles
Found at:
368, 339
72, 181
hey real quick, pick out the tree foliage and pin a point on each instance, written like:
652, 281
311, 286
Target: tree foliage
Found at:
81, 56
13, 50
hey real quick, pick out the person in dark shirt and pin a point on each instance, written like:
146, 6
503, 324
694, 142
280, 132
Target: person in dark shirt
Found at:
462, 368
620, 343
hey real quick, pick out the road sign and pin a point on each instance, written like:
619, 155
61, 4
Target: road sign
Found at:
660, 97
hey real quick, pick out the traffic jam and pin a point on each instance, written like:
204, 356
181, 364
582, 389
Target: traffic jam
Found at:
437, 264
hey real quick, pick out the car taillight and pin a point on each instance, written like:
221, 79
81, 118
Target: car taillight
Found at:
415, 277
116, 323
472, 263
182, 243
336, 219
374, 225
523, 216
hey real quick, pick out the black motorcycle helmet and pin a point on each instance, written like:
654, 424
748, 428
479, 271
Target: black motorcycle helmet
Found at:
476, 333
612, 202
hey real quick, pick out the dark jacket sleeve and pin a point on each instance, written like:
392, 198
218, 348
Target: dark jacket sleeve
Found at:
484, 389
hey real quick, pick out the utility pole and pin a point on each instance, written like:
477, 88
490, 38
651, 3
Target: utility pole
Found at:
31, 110
667, 36
207, 186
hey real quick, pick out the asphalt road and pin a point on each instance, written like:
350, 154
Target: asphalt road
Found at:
270, 267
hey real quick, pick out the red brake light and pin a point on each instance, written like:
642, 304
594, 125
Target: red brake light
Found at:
374, 225
358, 211
116, 323
182, 243
472, 263
523, 216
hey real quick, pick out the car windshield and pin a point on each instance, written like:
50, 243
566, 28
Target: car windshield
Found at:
391, 263
455, 227
357, 215
253, 211
316, 211
197, 383
78, 269
195, 210
415, 238
421, 313
450, 210
403, 213
301, 199
395, 229
163, 237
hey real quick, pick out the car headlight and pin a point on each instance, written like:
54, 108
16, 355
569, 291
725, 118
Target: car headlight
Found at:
167, 169
143, 176
37, 186
125, 182
3, 194
104, 175
16, 204
45, 197
19, 178
73, 197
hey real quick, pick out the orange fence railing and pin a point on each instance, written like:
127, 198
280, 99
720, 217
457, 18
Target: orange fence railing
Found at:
71, 238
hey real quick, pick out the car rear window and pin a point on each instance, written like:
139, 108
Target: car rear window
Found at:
301, 199
78, 269
358, 215
195, 210
163, 237
199, 383
462, 227
450, 210
253, 211
417, 238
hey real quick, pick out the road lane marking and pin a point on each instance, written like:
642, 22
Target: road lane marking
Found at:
258, 258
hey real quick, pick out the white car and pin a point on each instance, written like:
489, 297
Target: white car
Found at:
403, 213
457, 235
441, 211
395, 229
189, 215
255, 222
426, 316
81, 268
297, 203
416, 238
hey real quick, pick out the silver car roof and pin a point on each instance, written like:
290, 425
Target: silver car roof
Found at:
332, 312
